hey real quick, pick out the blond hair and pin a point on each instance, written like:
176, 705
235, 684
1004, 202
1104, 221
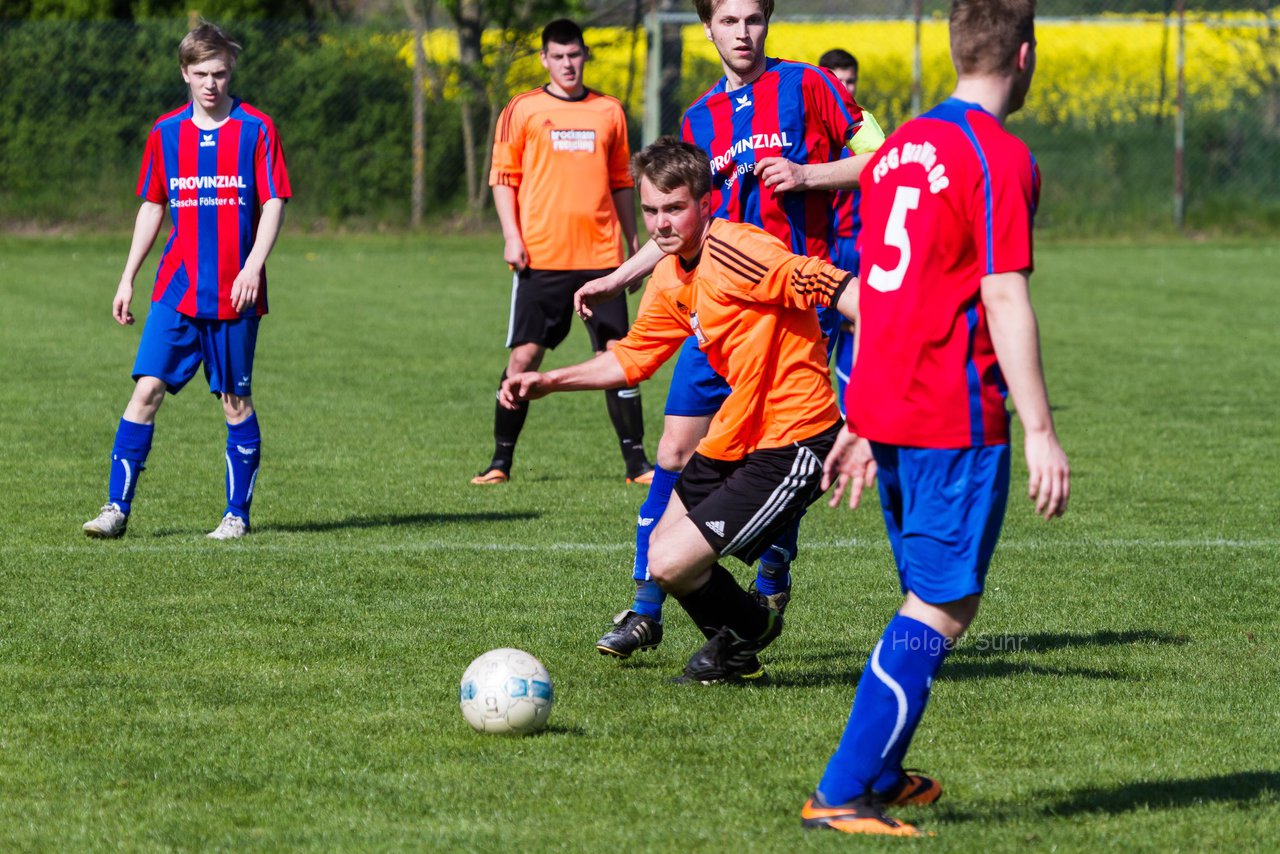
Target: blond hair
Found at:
206, 42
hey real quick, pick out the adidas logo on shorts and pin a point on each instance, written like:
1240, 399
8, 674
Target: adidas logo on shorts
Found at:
717, 528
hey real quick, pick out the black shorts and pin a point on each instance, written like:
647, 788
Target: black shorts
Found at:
542, 309
742, 506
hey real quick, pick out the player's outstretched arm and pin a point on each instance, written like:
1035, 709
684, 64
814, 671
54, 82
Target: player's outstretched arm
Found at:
248, 282
145, 228
1016, 337
630, 273
847, 304
787, 177
784, 176
603, 371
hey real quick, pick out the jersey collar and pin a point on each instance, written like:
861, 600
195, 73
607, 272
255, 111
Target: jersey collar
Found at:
546, 87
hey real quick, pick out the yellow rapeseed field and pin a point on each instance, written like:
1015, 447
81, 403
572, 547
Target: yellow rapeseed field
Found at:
1091, 73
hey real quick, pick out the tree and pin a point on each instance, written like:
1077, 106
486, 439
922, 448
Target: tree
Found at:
127, 10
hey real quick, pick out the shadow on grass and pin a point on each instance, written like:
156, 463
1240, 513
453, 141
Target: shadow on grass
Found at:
981, 656
958, 671
977, 645
558, 729
408, 520
637, 664
1237, 787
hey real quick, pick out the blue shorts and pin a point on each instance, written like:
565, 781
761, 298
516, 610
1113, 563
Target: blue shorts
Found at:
173, 346
943, 509
695, 389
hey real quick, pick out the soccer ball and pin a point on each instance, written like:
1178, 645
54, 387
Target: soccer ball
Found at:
506, 691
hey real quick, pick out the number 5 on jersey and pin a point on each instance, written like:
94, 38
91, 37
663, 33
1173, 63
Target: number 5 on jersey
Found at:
895, 235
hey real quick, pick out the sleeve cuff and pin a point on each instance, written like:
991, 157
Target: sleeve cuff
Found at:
839, 291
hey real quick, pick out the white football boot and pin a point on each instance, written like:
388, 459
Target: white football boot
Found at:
108, 524
232, 527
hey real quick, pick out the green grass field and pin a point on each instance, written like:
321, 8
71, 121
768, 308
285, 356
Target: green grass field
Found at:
298, 689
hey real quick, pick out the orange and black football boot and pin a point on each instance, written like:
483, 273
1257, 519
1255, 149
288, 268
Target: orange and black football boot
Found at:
913, 790
860, 815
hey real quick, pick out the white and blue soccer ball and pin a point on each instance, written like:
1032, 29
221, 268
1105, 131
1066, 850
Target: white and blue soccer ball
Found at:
506, 691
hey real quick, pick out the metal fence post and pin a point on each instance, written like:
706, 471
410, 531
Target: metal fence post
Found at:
917, 64
1179, 124
653, 76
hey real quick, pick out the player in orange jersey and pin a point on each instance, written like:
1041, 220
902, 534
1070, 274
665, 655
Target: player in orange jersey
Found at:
563, 191
750, 303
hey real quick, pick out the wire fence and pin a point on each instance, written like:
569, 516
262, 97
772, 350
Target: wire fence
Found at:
1103, 118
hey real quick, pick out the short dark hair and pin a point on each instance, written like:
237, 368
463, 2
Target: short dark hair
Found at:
205, 42
986, 34
707, 8
670, 163
562, 31
838, 58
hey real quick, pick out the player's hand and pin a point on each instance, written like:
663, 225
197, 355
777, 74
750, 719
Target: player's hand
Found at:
782, 175
1049, 474
244, 290
514, 253
850, 466
120, 305
522, 387
596, 291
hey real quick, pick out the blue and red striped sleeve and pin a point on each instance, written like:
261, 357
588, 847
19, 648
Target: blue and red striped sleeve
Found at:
151, 176
270, 174
831, 110
1002, 231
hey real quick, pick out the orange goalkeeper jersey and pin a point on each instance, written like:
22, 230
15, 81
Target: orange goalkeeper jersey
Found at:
751, 304
565, 158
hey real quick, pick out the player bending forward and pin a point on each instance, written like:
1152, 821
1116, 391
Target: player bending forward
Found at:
217, 166
750, 303
783, 136
945, 327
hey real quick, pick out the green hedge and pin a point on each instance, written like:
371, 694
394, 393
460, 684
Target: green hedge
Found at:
78, 100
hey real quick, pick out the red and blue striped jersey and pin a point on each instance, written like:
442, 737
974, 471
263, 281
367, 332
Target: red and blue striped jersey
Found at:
214, 183
948, 199
848, 222
792, 110
847, 213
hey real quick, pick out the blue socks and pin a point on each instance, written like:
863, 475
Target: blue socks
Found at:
133, 444
649, 595
244, 453
128, 458
891, 698
773, 574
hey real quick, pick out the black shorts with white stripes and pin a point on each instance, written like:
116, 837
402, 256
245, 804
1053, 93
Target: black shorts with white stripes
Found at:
542, 309
742, 506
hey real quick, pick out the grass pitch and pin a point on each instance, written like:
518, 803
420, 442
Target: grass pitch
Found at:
298, 690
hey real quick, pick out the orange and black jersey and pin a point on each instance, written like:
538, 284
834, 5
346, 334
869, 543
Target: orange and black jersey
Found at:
750, 302
565, 158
